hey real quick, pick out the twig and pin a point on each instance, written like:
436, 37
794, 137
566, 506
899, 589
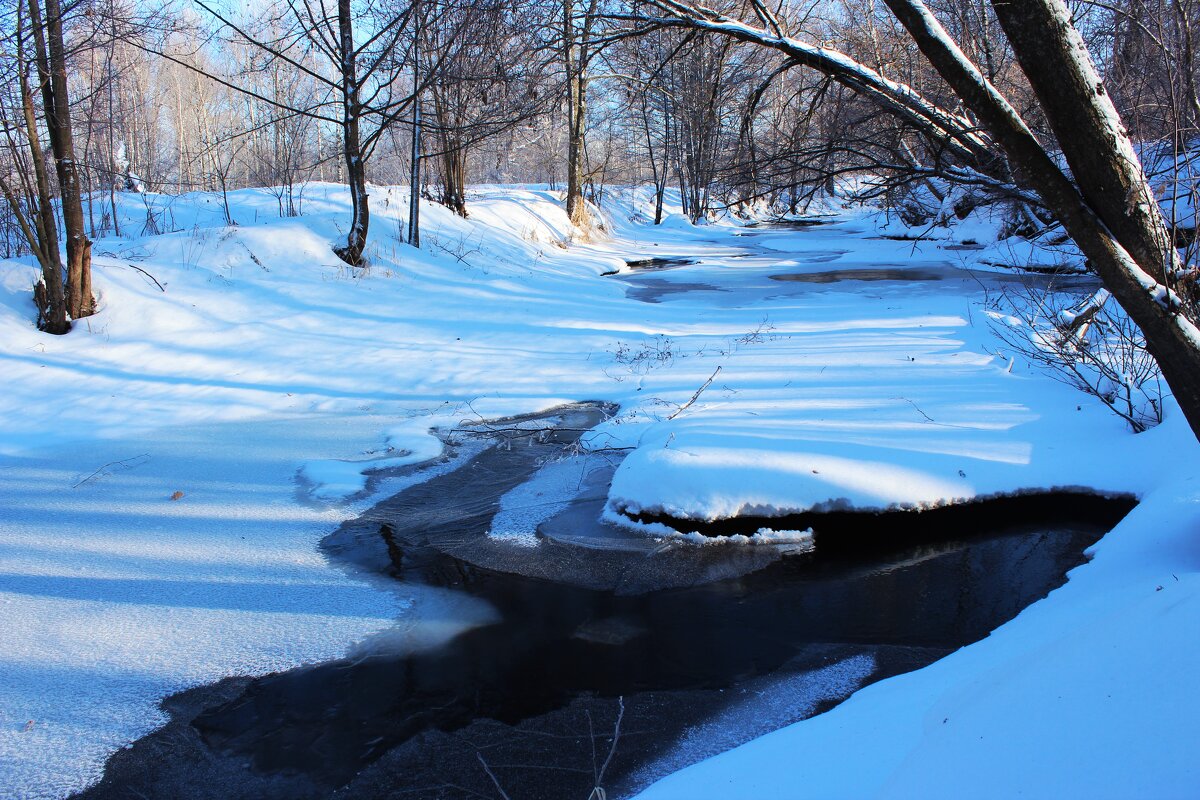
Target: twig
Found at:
592, 738
519, 431
598, 792
148, 275
492, 775
918, 408
696, 396
122, 461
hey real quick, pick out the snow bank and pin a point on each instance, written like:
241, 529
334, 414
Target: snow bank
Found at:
248, 370
1088, 693
168, 469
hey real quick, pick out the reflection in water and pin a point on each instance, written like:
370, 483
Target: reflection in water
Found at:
878, 274
660, 262
582, 626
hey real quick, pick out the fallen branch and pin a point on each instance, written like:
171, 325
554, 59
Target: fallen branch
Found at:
598, 792
124, 462
696, 396
491, 775
1075, 321
148, 275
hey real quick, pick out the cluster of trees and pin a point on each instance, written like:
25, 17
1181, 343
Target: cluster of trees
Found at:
934, 106
581, 93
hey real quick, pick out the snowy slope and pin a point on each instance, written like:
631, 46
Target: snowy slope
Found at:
268, 381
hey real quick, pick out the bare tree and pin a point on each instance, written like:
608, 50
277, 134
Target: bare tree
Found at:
40, 48
360, 79
32, 204
578, 22
51, 61
1106, 205
487, 83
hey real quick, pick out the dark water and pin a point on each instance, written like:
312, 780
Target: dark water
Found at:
660, 262
875, 274
673, 634
794, 224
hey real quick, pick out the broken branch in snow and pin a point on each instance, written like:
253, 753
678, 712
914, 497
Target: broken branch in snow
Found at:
696, 396
122, 464
492, 775
1076, 320
133, 266
918, 408
148, 275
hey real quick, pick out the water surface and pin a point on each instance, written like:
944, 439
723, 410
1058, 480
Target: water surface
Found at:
694, 648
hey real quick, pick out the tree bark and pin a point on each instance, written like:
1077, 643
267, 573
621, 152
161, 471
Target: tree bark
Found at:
454, 177
1103, 163
43, 239
414, 176
575, 66
52, 71
356, 169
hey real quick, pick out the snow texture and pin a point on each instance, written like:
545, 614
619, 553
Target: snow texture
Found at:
272, 391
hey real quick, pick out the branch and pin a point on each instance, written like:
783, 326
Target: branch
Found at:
492, 775
696, 396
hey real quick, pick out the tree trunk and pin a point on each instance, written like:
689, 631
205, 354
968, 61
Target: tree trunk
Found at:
52, 70
1089, 131
454, 177
453, 156
414, 176
356, 170
50, 295
1115, 252
575, 68
576, 154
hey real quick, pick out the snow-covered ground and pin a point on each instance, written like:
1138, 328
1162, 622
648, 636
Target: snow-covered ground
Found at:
167, 469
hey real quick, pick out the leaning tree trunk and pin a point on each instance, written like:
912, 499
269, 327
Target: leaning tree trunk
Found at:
1103, 163
52, 70
1131, 256
356, 169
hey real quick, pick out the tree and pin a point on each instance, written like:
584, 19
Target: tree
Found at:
1106, 204
56, 104
56, 298
577, 21
486, 85
32, 204
361, 81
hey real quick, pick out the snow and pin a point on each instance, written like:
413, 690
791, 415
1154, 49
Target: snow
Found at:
281, 391
762, 706
550, 491
1085, 694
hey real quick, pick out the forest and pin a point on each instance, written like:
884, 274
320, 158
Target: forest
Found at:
749, 288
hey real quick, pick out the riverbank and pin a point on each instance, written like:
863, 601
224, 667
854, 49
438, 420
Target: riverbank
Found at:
261, 382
